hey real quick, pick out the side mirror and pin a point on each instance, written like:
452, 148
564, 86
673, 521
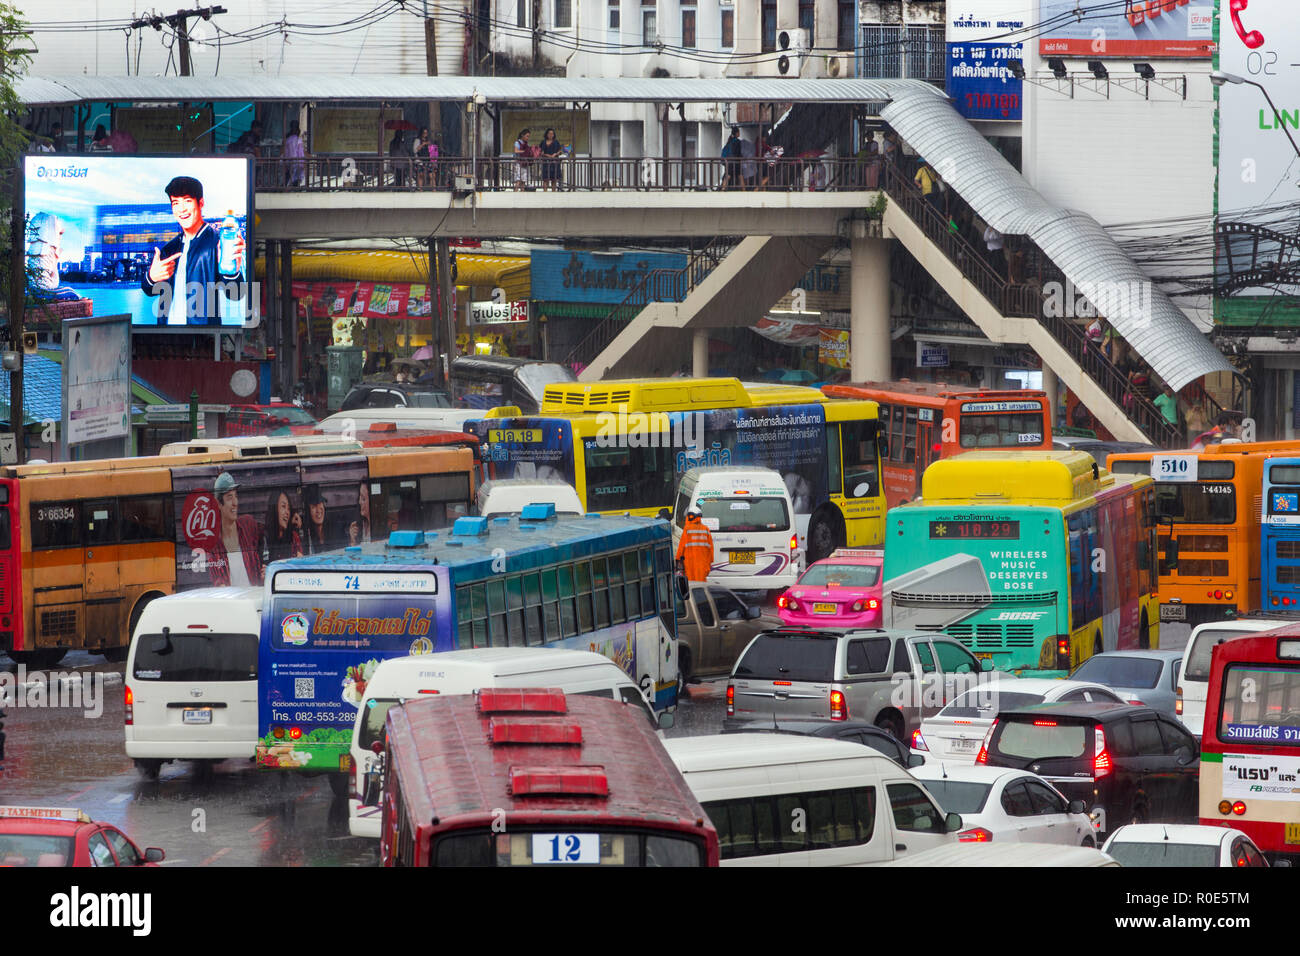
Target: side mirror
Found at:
665, 514
915, 760
1076, 806
752, 613
1184, 756
372, 789
154, 855
1144, 556
666, 721
952, 823
986, 664
882, 443
1171, 554
681, 586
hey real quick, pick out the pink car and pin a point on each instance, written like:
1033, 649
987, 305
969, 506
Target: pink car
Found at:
840, 591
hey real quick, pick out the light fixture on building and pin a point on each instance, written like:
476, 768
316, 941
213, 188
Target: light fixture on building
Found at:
1057, 66
1144, 70
1098, 69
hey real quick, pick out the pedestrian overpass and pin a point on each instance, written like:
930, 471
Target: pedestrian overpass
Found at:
786, 226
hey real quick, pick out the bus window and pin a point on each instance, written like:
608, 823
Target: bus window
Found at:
624, 478
100, 515
56, 524
6, 533
861, 477
1010, 430
909, 437
1201, 502
146, 518
833, 457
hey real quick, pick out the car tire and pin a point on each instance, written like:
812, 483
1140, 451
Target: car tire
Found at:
1097, 646
683, 669
341, 784
1144, 634
42, 659
892, 724
149, 769
1089, 842
824, 536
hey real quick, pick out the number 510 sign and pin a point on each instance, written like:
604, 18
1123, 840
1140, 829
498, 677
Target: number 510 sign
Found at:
1173, 467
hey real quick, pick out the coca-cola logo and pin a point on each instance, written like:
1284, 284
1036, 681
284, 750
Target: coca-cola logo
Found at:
201, 519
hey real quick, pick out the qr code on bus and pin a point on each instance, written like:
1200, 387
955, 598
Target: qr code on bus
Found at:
304, 688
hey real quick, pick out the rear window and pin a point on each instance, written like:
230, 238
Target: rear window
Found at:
1120, 671
196, 657
959, 796
747, 514
789, 657
33, 849
1198, 661
428, 400
372, 728
1163, 854
841, 575
985, 702
1041, 738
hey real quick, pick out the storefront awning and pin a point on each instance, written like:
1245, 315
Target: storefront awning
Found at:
510, 273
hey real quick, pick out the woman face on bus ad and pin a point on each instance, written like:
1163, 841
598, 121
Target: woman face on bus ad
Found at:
283, 513
363, 501
318, 514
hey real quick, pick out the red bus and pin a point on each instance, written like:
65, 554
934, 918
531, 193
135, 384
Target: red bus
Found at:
926, 421
1250, 750
532, 777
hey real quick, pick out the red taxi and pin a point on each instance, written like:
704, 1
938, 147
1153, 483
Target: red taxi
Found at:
843, 590
52, 836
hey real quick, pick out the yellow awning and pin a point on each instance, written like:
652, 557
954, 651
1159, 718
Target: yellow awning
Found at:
489, 272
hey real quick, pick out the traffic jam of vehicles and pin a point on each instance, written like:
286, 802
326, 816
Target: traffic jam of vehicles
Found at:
624, 655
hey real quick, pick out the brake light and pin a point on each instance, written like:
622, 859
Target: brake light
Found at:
1044, 723
1063, 653
839, 706
781, 683
782, 601
873, 604
918, 741
1178, 701
976, 835
794, 543
1238, 808
1218, 595
731, 700
129, 708
983, 756
1101, 763
295, 733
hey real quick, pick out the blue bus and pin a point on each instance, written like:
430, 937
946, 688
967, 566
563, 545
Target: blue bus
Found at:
1279, 547
592, 582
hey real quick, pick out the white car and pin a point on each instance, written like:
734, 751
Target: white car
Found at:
1159, 844
1003, 805
955, 733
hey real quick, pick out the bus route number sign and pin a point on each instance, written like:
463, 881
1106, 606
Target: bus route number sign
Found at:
1173, 467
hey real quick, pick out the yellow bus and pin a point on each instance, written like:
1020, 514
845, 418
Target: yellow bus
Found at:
84, 546
624, 446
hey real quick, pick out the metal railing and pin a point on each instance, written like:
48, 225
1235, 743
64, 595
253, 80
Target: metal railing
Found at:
569, 174
658, 285
1020, 300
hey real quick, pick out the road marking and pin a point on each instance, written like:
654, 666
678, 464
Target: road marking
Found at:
254, 829
73, 796
121, 798
216, 856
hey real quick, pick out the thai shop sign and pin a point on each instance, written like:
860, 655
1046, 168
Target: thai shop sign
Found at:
498, 313
979, 81
564, 275
931, 355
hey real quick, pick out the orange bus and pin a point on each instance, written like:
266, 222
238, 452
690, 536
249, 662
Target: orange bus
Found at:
1208, 501
926, 421
84, 546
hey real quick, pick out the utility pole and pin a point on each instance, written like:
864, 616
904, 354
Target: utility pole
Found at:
17, 307
436, 326
431, 69
537, 35
180, 22
446, 314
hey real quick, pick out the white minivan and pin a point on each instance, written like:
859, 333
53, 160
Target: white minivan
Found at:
507, 496
191, 678
791, 800
751, 515
1194, 677
462, 672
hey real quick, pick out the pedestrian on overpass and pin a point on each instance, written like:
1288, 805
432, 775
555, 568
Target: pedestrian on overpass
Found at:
695, 550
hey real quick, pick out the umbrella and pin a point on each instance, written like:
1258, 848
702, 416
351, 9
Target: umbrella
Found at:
398, 124
423, 354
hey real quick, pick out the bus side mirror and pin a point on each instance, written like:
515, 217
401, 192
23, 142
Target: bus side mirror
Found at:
1144, 556
1171, 554
882, 443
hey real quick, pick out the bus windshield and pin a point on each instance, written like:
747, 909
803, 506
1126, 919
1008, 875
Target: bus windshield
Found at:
860, 476
1257, 696
1001, 431
479, 848
747, 513
1201, 502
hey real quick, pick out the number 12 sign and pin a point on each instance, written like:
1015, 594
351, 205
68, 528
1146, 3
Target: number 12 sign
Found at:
1173, 467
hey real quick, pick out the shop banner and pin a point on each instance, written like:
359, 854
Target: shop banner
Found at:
833, 348
498, 313
930, 355
1132, 29
561, 275
979, 81
788, 331
369, 300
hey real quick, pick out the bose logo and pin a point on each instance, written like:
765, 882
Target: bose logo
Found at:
1019, 616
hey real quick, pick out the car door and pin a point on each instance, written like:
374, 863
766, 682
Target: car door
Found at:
734, 631
1154, 767
918, 823
1019, 808
707, 634
1183, 785
124, 849
1051, 816
929, 684
100, 852
960, 673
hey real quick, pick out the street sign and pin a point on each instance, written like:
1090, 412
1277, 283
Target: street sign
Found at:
8, 449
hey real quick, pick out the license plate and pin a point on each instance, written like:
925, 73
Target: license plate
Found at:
743, 557
1292, 833
824, 608
1173, 612
984, 655
566, 848
197, 716
965, 745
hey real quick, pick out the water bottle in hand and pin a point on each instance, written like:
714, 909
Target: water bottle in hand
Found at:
228, 236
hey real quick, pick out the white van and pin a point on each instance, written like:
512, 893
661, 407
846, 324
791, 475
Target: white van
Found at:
1194, 677
836, 803
507, 496
433, 419
191, 678
463, 672
755, 532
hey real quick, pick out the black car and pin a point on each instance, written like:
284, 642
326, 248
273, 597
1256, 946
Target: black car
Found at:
854, 731
1132, 763
393, 395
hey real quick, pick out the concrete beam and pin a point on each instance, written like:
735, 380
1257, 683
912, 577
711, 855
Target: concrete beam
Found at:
376, 215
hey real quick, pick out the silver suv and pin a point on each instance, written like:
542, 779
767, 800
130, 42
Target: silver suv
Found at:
893, 679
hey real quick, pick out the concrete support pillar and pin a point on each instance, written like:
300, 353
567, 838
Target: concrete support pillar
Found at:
869, 342
1049, 386
700, 354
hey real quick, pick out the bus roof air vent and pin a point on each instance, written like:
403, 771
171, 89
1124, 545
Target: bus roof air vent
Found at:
515, 700
470, 526
547, 781
537, 512
507, 730
406, 539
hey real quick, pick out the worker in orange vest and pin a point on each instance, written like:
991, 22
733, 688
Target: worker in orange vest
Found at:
695, 550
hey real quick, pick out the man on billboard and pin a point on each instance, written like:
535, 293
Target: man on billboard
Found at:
236, 555
198, 255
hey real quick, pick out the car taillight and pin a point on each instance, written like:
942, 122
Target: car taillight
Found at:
793, 604
918, 741
731, 700
839, 706
1101, 763
129, 708
983, 756
975, 835
1063, 653
794, 543
858, 606
1178, 701
783, 601
873, 604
